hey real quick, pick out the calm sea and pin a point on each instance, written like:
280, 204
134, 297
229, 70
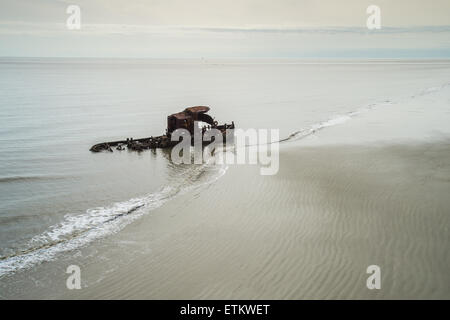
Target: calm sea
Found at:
55, 195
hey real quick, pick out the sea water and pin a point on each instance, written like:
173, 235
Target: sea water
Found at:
56, 196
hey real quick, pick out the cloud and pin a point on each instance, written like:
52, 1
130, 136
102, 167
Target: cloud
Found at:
44, 29
152, 28
235, 13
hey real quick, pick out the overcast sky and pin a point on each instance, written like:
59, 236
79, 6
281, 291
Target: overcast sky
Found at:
221, 29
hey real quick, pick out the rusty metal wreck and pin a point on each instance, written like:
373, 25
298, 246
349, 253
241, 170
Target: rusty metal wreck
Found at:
185, 119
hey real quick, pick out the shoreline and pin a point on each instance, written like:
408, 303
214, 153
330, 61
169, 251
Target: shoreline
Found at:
311, 239
372, 189
307, 233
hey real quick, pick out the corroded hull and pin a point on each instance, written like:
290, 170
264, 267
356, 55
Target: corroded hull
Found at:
186, 120
161, 142
135, 144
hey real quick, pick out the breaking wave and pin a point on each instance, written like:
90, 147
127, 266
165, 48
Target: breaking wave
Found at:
342, 118
336, 120
78, 230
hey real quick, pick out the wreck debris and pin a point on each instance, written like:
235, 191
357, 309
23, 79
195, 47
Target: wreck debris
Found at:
185, 119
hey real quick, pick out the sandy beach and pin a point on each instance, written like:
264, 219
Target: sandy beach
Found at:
240, 151
308, 233
338, 204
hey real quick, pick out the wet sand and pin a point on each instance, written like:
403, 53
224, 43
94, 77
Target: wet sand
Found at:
309, 232
371, 191
369, 187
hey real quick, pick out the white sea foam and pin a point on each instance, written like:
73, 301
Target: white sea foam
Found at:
77, 230
340, 119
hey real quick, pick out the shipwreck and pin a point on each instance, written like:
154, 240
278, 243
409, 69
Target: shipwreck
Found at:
186, 119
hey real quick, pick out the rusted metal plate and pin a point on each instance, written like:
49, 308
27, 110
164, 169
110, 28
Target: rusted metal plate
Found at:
181, 115
198, 109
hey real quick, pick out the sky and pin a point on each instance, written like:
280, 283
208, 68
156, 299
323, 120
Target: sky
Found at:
225, 29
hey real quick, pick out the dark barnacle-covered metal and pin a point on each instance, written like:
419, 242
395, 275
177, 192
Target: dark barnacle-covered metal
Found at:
182, 120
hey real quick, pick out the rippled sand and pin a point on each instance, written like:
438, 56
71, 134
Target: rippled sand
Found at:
309, 232
364, 187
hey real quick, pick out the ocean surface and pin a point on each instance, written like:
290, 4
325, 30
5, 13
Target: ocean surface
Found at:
56, 197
